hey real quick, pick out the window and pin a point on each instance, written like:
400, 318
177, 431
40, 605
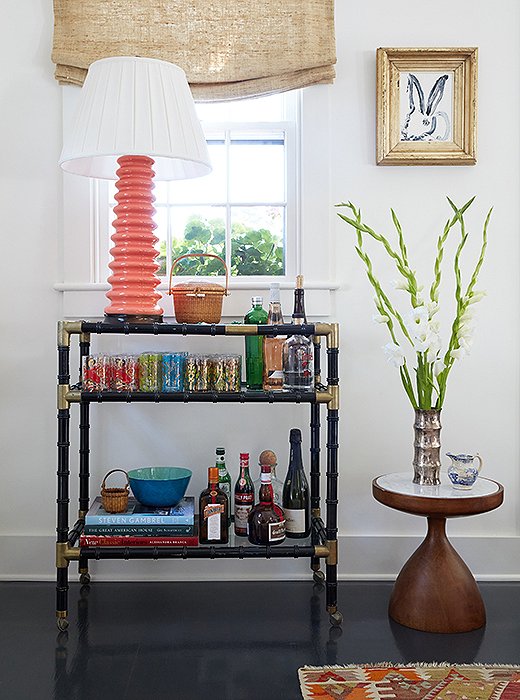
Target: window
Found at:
297, 204
245, 210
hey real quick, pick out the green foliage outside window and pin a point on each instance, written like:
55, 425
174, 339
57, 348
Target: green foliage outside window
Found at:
253, 251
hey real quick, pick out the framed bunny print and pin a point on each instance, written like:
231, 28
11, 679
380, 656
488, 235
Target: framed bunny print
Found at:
426, 106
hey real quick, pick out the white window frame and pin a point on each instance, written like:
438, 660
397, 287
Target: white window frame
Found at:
85, 256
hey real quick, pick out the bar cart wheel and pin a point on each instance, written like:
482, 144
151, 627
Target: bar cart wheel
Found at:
84, 579
62, 623
319, 577
336, 619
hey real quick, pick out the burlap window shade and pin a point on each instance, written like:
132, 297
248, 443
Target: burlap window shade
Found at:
228, 48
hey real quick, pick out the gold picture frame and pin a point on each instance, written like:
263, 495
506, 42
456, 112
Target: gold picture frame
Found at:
426, 106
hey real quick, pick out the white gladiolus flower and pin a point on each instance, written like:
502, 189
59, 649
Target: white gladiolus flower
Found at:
400, 284
419, 315
435, 326
458, 354
476, 296
432, 307
465, 344
380, 318
438, 366
394, 354
465, 331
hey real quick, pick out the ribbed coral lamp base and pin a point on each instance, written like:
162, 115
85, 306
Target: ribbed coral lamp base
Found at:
133, 294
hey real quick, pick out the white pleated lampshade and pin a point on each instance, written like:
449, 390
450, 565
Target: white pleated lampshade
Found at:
136, 106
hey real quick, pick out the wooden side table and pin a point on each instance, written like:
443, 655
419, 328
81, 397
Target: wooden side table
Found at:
435, 590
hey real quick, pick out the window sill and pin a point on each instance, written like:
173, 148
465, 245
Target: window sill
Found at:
87, 300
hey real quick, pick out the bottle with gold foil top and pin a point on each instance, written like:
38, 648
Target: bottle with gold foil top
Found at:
244, 496
298, 352
213, 512
273, 346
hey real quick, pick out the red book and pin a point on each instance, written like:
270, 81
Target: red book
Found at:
129, 541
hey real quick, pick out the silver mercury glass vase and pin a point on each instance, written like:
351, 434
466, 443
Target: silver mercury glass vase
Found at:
427, 445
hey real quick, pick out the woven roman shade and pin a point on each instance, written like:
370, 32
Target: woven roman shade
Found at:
228, 48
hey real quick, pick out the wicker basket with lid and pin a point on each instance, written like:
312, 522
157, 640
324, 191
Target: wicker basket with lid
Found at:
197, 301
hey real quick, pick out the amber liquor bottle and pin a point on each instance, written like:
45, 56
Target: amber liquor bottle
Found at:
273, 346
213, 512
298, 356
296, 496
244, 496
266, 519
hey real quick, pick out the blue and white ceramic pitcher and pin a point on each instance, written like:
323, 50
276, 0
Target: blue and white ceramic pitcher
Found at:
462, 471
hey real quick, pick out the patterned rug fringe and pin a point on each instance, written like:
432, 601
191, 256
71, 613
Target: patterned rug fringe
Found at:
421, 664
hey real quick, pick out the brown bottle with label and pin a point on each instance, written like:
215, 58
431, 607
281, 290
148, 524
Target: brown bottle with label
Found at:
213, 512
266, 520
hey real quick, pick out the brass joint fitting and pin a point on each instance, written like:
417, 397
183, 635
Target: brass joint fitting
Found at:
321, 551
323, 397
84, 338
63, 401
322, 329
82, 514
333, 337
316, 513
241, 329
64, 554
334, 402
332, 546
65, 329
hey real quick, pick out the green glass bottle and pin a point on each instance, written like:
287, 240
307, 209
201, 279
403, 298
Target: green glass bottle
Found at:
254, 345
224, 477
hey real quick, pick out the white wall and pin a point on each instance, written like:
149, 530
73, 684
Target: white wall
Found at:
481, 411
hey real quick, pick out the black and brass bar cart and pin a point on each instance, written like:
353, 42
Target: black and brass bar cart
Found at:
322, 543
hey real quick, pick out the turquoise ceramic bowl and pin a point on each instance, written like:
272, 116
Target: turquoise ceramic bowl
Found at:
159, 486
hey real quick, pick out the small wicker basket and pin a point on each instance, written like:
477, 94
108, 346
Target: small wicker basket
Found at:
198, 302
115, 499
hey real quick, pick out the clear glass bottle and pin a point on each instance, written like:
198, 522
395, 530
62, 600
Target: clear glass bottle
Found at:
296, 496
213, 512
244, 496
266, 520
273, 347
298, 351
254, 345
268, 457
224, 477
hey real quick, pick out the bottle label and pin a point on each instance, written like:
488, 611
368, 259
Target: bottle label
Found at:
277, 531
212, 515
241, 515
294, 520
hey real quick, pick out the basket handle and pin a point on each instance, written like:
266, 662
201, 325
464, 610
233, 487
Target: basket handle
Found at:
111, 472
198, 255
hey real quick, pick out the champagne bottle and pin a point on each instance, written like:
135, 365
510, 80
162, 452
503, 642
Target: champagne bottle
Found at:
296, 497
273, 347
266, 520
224, 478
254, 345
298, 355
244, 496
213, 512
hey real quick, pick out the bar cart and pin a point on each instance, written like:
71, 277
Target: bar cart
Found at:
322, 543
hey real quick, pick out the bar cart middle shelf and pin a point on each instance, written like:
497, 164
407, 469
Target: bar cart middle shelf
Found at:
322, 543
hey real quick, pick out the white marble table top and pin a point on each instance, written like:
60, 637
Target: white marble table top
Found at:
402, 483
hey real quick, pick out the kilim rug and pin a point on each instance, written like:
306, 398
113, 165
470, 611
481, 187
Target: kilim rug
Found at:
410, 682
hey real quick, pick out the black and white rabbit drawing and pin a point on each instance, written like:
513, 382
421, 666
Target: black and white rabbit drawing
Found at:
422, 122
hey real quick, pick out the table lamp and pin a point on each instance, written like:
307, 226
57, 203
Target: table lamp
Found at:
138, 114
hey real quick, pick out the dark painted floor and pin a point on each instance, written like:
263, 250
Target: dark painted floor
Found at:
225, 641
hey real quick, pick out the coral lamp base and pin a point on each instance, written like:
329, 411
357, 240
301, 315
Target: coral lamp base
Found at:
133, 294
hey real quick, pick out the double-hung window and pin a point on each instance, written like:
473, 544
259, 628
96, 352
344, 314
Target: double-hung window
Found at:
265, 208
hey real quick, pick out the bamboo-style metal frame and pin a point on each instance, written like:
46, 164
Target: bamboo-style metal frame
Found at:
461, 150
323, 541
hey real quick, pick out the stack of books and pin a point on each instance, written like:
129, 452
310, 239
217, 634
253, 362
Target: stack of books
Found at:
141, 526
